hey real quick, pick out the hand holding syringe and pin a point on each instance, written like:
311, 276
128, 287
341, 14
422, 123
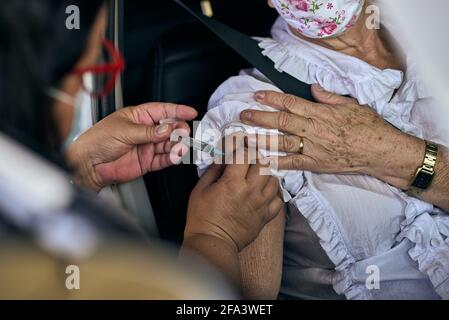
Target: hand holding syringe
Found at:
196, 144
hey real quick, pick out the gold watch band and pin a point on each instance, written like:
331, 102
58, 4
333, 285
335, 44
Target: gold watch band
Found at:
425, 174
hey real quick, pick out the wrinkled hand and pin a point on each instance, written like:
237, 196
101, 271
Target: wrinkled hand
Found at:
127, 144
339, 135
233, 203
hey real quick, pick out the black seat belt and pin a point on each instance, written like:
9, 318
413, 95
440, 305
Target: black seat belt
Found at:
248, 48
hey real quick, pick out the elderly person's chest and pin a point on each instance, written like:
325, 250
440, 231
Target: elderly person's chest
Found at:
362, 213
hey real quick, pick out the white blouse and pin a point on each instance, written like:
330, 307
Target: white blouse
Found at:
366, 227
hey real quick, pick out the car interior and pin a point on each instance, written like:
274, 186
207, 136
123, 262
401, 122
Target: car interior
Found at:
171, 57
55, 221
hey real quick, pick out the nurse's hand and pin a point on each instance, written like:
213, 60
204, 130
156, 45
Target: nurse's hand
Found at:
228, 209
233, 203
127, 144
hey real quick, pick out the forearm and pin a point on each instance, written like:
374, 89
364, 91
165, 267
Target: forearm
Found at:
401, 163
261, 262
223, 255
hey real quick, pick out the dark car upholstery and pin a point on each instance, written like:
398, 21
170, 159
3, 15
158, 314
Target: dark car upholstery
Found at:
171, 57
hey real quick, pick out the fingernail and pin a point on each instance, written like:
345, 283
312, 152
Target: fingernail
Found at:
246, 115
162, 129
272, 161
260, 95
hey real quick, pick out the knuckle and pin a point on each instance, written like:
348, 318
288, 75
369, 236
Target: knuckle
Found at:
132, 112
331, 97
322, 165
289, 143
150, 132
289, 101
284, 120
322, 111
270, 96
297, 162
308, 111
315, 126
232, 185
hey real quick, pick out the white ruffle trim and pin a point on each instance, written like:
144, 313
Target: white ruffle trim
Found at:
429, 233
320, 219
371, 85
399, 111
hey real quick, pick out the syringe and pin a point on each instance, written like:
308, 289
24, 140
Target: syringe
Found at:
194, 143
203, 147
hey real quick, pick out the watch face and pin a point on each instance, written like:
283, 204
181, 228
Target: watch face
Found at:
423, 180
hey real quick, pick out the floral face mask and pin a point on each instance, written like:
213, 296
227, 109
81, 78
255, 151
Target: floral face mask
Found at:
320, 18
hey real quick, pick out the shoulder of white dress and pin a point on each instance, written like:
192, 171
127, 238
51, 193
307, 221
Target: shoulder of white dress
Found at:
247, 82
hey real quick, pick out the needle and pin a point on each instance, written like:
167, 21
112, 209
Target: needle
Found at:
194, 143
202, 146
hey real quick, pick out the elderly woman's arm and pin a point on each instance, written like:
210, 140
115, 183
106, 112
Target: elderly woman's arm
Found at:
341, 137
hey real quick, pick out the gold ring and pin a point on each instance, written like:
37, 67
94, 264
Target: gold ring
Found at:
301, 146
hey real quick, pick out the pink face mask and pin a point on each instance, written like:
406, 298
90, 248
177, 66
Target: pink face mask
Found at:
320, 18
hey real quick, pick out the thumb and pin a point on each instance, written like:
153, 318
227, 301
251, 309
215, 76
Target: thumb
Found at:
325, 97
211, 176
143, 134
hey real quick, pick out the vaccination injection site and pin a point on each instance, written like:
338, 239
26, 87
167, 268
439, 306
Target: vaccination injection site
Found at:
223, 158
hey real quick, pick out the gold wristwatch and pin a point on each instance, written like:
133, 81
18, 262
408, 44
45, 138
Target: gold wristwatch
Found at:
425, 174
